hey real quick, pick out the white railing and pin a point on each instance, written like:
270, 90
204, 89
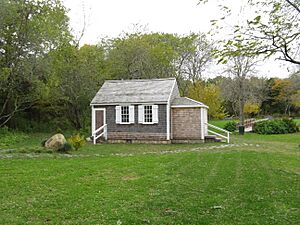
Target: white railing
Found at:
249, 123
104, 133
257, 121
227, 137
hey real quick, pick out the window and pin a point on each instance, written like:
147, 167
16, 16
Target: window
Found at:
125, 114
148, 114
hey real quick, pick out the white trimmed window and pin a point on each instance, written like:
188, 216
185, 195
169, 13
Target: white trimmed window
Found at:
124, 114
148, 114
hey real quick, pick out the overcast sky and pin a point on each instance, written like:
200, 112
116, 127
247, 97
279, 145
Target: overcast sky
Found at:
112, 17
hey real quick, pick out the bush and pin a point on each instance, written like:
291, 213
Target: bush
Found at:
8, 138
4, 130
277, 126
290, 125
230, 126
77, 141
43, 143
65, 148
59, 130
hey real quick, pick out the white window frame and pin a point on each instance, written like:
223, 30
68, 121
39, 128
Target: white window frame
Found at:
130, 114
150, 108
154, 112
123, 114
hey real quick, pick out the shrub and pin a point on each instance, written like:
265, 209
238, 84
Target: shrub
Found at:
77, 141
277, 126
230, 126
59, 130
4, 130
8, 138
65, 148
290, 125
43, 143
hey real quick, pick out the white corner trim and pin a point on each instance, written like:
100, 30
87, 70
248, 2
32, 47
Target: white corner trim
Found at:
202, 123
93, 125
168, 121
169, 98
169, 111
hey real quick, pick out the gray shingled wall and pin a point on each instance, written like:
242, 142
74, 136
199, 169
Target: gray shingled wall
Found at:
151, 129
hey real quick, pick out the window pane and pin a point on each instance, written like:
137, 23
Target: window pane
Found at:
125, 114
148, 113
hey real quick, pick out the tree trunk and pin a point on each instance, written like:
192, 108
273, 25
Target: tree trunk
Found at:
241, 106
241, 112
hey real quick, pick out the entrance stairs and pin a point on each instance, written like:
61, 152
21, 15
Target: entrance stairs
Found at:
212, 138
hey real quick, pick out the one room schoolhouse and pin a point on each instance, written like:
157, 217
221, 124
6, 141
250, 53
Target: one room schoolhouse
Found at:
149, 110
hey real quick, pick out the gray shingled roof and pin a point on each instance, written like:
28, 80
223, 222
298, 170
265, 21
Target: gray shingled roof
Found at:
184, 101
134, 91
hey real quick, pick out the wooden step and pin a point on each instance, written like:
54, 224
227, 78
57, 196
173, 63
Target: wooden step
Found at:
212, 138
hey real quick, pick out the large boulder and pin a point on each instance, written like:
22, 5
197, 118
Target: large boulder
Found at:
56, 141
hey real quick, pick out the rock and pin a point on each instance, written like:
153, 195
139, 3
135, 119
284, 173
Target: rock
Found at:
56, 141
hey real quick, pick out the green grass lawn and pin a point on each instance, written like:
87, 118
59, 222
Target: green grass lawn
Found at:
220, 123
254, 183
297, 121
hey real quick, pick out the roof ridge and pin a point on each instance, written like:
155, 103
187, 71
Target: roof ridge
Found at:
140, 80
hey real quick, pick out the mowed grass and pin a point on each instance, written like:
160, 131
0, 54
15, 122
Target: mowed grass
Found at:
242, 184
297, 121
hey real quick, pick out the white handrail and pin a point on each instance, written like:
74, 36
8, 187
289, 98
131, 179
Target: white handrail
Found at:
220, 135
249, 123
218, 128
100, 128
227, 137
94, 134
257, 121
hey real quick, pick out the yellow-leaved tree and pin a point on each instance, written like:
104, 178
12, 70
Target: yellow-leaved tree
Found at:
296, 99
210, 95
251, 108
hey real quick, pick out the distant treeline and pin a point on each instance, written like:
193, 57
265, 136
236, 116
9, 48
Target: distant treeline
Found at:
47, 81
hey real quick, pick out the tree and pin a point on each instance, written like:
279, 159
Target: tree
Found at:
78, 74
136, 56
284, 91
275, 30
296, 99
194, 57
158, 55
240, 69
209, 94
28, 30
282, 95
251, 108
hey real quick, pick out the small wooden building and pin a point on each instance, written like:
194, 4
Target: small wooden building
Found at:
146, 111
